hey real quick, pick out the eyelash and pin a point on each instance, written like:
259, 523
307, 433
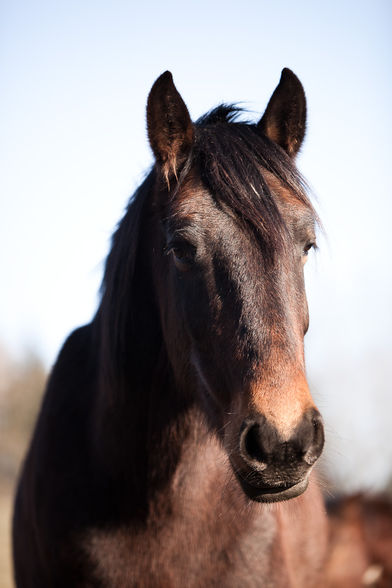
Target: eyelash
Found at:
308, 247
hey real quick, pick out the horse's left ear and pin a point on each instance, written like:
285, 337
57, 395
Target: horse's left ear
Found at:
170, 129
284, 120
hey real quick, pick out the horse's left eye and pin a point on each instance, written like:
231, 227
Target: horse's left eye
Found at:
307, 248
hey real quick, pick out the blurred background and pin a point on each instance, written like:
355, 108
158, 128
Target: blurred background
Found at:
74, 78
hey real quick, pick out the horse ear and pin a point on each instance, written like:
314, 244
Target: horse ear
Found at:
170, 129
284, 120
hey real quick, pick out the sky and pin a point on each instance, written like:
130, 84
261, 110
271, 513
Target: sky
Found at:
74, 79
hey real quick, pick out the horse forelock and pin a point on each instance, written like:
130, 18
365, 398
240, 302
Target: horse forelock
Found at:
235, 162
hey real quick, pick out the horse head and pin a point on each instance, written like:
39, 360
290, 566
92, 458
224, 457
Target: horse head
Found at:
231, 233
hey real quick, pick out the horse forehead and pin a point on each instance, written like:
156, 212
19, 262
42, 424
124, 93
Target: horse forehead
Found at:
231, 245
297, 215
193, 203
215, 224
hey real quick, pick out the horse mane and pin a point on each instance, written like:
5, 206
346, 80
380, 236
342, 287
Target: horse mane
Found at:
122, 294
230, 157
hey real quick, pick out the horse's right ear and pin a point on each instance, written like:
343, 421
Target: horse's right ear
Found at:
170, 129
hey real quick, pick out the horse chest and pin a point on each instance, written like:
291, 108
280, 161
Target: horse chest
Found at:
200, 533
214, 543
178, 555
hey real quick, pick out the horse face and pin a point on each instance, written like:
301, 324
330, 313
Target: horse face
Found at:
234, 316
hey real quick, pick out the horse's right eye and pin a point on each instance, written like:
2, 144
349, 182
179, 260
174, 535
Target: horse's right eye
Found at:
183, 255
179, 252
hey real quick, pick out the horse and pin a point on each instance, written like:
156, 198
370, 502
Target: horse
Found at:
360, 542
177, 438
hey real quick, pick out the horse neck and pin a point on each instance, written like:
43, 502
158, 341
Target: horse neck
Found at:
166, 468
143, 421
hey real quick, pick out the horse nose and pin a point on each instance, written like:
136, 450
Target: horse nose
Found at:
262, 446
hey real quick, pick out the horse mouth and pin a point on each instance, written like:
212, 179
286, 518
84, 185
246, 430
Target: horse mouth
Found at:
274, 493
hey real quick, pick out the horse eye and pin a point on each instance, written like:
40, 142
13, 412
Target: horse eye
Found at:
183, 254
180, 252
307, 248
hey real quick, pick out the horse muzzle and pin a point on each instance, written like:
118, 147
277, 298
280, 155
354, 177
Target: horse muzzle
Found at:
271, 469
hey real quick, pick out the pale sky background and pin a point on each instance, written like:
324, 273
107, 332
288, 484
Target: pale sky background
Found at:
74, 79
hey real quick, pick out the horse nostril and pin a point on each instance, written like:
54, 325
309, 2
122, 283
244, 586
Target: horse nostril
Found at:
256, 442
261, 446
252, 444
313, 452
318, 428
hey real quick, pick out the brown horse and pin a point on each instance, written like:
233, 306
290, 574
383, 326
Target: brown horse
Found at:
174, 420
360, 550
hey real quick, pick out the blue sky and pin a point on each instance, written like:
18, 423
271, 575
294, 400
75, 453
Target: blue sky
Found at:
74, 78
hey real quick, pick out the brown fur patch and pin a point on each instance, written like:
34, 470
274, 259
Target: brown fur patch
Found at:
283, 404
